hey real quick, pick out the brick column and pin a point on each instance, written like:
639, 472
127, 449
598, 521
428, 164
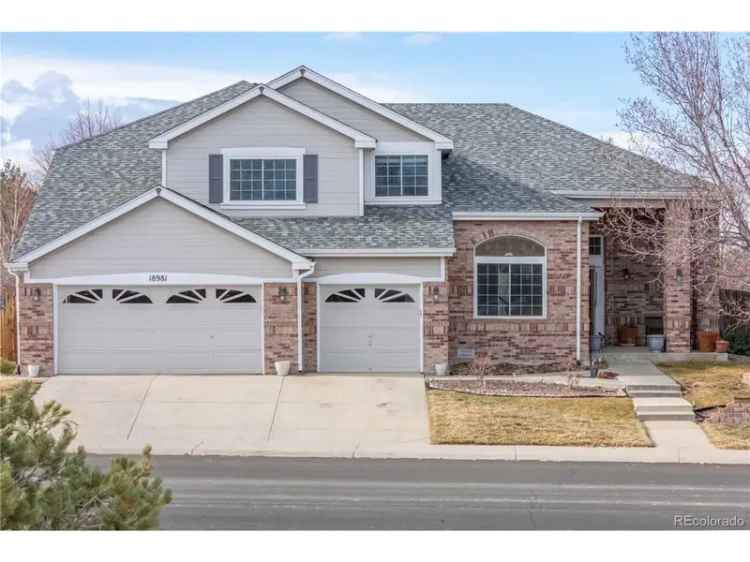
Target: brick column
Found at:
677, 279
435, 319
280, 325
36, 327
310, 327
705, 289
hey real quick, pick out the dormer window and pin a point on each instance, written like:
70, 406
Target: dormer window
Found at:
263, 177
401, 175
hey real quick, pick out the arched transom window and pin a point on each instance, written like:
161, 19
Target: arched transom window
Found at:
510, 278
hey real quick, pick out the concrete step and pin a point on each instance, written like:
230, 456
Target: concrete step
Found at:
655, 393
666, 415
656, 386
656, 409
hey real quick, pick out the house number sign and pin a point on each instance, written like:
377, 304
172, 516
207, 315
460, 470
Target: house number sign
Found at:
157, 278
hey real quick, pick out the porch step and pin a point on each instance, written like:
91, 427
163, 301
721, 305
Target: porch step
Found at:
663, 408
654, 392
665, 415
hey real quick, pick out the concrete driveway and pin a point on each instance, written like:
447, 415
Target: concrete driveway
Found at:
323, 415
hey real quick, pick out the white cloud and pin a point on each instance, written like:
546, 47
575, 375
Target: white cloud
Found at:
422, 38
96, 79
379, 87
345, 36
19, 151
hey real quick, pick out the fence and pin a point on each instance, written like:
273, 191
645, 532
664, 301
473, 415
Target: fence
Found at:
8, 343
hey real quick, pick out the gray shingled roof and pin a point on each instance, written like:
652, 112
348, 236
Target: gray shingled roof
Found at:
502, 145
505, 160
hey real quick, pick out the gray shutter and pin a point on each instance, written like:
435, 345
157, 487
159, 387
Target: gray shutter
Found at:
215, 178
310, 174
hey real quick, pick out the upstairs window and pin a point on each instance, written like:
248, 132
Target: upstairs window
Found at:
261, 179
401, 175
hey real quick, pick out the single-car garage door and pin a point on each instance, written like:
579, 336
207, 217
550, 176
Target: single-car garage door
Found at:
370, 328
116, 330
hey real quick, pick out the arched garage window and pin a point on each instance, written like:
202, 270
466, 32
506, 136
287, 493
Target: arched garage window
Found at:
510, 278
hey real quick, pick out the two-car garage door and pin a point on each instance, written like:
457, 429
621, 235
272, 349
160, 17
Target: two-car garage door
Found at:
369, 328
116, 330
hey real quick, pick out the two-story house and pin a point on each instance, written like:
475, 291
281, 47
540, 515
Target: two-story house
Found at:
301, 221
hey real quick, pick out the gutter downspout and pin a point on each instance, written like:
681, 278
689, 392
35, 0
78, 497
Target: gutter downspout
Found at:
300, 340
578, 290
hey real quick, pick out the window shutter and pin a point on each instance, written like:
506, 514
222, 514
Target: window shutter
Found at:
215, 178
310, 174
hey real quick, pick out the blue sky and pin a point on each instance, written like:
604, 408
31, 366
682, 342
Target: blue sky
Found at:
578, 79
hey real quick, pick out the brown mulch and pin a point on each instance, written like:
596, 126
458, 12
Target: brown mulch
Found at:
518, 388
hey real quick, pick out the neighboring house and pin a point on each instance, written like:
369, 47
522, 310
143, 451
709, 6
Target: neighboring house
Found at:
299, 220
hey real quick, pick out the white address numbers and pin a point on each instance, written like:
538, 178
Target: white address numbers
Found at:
157, 278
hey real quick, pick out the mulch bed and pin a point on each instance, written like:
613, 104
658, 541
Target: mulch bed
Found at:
734, 413
518, 388
502, 369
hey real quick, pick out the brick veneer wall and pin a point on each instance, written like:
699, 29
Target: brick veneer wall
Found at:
529, 342
36, 325
280, 326
436, 325
678, 314
309, 326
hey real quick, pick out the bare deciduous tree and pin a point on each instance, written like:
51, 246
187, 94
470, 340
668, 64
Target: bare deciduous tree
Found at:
698, 123
16, 199
91, 120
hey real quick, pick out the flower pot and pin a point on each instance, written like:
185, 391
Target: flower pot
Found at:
33, 370
441, 369
597, 343
722, 346
282, 367
707, 341
655, 343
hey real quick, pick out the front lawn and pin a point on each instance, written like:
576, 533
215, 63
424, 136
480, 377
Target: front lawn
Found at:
7, 383
460, 418
708, 384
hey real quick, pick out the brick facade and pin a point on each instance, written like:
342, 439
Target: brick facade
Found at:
678, 314
36, 327
280, 325
310, 327
435, 318
551, 340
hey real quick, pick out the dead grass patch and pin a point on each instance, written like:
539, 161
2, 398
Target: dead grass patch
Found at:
459, 418
9, 383
707, 384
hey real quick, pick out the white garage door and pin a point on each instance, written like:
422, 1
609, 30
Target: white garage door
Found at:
370, 328
116, 330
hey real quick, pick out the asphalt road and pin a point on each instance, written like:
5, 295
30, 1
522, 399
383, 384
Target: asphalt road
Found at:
268, 493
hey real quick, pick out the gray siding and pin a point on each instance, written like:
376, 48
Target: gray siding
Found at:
349, 112
264, 123
160, 237
420, 267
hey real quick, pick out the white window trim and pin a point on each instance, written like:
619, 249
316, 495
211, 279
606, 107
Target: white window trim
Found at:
434, 173
286, 153
510, 260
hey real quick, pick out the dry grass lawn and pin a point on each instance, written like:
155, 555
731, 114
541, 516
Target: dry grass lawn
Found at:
460, 418
707, 384
8, 383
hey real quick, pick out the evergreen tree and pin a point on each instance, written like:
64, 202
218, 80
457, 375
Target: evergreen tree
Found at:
42, 486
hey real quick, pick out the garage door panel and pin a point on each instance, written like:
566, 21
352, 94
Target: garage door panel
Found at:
375, 333
209, 336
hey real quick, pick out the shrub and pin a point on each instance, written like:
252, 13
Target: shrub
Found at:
7, 367
42, 486
739, 340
